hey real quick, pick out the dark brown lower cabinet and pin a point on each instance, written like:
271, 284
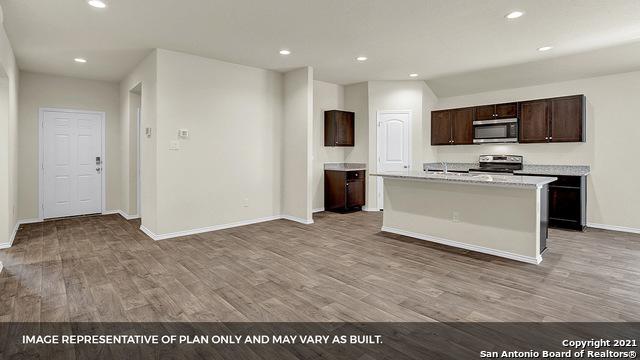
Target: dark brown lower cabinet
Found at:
344, 190
568, 202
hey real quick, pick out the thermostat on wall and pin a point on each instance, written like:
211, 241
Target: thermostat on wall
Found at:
183, 133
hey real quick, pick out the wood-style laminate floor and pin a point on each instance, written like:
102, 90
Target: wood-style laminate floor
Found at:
342, 268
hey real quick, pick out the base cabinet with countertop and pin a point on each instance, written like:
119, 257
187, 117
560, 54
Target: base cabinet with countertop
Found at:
567, 195
451, 209
344, 188
568, 202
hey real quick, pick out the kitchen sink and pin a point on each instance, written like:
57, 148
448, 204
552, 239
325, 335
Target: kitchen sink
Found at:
452, 173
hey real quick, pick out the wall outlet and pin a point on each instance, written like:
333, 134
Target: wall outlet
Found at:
174, 145
245, 202
455, 217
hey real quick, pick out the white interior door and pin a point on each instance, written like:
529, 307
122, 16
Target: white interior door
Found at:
72, 162
393, 145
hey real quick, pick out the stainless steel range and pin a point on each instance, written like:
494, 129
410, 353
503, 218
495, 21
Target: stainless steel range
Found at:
505, 164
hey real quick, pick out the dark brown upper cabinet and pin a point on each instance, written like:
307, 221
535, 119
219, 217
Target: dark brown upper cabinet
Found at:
568, 119
497, 111
462, 126
534, 121
559, 119
452, 127
441, 127
339, 128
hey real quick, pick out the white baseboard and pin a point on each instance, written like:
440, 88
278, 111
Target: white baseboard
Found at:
505, 254
155, 236
370, 209
614, 228
149, 233
121, 213
30, 221
296, 219
6, 245
127, 216
318, 210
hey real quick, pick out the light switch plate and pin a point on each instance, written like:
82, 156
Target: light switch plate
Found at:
174, 145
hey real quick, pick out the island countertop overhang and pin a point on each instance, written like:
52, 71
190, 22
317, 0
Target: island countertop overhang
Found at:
520, 181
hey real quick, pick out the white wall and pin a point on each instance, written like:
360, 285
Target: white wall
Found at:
429, 102
40, 90
143, 76
612, 149
326, 96
9, 206
297, 171
130, 201
396, 95
229, 169
356, 99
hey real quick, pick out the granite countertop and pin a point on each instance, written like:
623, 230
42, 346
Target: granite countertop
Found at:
557, 170
560, 170
345, 166
471, 178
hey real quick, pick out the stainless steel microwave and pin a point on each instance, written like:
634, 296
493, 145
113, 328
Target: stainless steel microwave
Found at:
495, 131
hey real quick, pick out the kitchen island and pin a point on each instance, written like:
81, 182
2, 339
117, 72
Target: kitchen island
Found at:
502, 215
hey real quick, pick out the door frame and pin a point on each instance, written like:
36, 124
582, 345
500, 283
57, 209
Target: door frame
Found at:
139, 162
103, 189
379, 180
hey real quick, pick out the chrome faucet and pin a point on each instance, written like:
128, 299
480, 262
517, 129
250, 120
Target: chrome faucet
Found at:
445, 168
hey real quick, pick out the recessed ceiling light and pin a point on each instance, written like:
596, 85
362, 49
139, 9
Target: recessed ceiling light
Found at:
285, 52
545, 48
362, 58
413, 75
514, 15
97, 4
80, 60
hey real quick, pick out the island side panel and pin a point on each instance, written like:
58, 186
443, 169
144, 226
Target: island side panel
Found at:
503, 221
